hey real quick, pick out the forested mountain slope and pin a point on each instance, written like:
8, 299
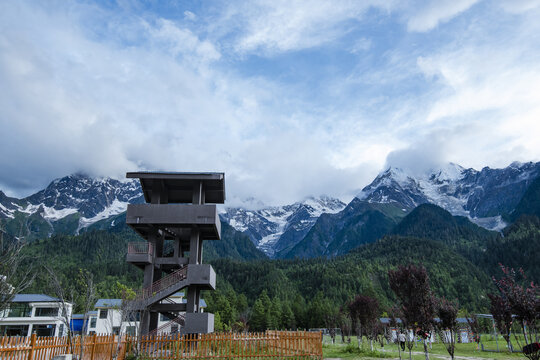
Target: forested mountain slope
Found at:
458, 232
359, 223
361, 271
529, 203
103, 254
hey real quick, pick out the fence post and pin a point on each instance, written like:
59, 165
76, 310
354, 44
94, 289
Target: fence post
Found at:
32, 345
93, 347
113, 343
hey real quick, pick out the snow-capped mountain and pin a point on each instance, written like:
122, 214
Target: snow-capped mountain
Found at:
273, 228
482, 195
75, 202
79, 198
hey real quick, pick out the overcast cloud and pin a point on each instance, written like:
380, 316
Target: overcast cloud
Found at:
290, 99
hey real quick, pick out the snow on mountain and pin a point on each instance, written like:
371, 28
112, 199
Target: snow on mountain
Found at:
8, 206
267, 226
483, 195
115, 208
93, 199
89, 196
486, 196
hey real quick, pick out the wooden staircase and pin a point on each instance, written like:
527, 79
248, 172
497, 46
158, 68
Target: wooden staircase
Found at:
162, 288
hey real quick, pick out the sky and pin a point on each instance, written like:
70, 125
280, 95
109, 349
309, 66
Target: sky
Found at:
288, 98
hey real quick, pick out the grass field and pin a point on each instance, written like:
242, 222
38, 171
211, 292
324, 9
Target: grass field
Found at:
438, 351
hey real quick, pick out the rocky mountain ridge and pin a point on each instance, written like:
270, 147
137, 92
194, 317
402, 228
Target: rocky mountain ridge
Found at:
274, 228
484, 196
76, 202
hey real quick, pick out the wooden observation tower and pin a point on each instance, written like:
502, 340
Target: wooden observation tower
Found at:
180, 212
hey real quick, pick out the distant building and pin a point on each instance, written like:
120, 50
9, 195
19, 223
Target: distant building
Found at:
107, 318
77, 323
38, 314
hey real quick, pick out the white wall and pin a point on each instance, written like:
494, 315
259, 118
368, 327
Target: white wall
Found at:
34, 320
107, 325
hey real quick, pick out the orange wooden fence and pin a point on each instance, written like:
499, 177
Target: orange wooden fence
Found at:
45, 348
269, 345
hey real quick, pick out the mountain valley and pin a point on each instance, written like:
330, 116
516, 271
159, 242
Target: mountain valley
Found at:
316, 226
324, 250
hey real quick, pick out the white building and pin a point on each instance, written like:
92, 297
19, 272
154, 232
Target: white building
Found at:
107, 318
37, 314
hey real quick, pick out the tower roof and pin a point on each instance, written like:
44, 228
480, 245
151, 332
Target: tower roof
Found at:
180, 186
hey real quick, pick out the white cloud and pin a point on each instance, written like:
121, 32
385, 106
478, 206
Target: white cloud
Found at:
182, 42
488, 94
479, 79
361, 45
190, 16
71, 102
88, 89
427, 17
278, 26
426, 154
519, 6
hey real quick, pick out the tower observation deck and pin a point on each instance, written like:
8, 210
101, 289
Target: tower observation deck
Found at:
179, 213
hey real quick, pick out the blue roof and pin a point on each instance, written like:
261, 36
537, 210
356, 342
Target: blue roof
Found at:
77, 316
108, 303
33, 298
386, 320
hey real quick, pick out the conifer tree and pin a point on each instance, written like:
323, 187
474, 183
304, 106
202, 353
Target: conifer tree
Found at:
241, 303
258, 317
299, 310
275, 314
287, 316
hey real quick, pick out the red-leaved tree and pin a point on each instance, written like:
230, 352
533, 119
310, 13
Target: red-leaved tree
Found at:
364, 312
396, 323
447, 325
524, 303
411, 285
472, 320
502, 314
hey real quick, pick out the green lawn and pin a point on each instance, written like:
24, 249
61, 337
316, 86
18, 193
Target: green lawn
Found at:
344, 351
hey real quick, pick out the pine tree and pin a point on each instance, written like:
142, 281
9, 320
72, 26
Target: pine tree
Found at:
299, 311
218, 325
275, 314
265, 299
258, 317
317, 310
241, 303
287, 316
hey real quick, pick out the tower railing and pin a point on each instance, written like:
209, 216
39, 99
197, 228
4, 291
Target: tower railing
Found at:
163, 283
179, 320
140, 247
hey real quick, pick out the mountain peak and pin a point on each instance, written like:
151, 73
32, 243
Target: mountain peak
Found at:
448, 172
466, 192
274, 227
